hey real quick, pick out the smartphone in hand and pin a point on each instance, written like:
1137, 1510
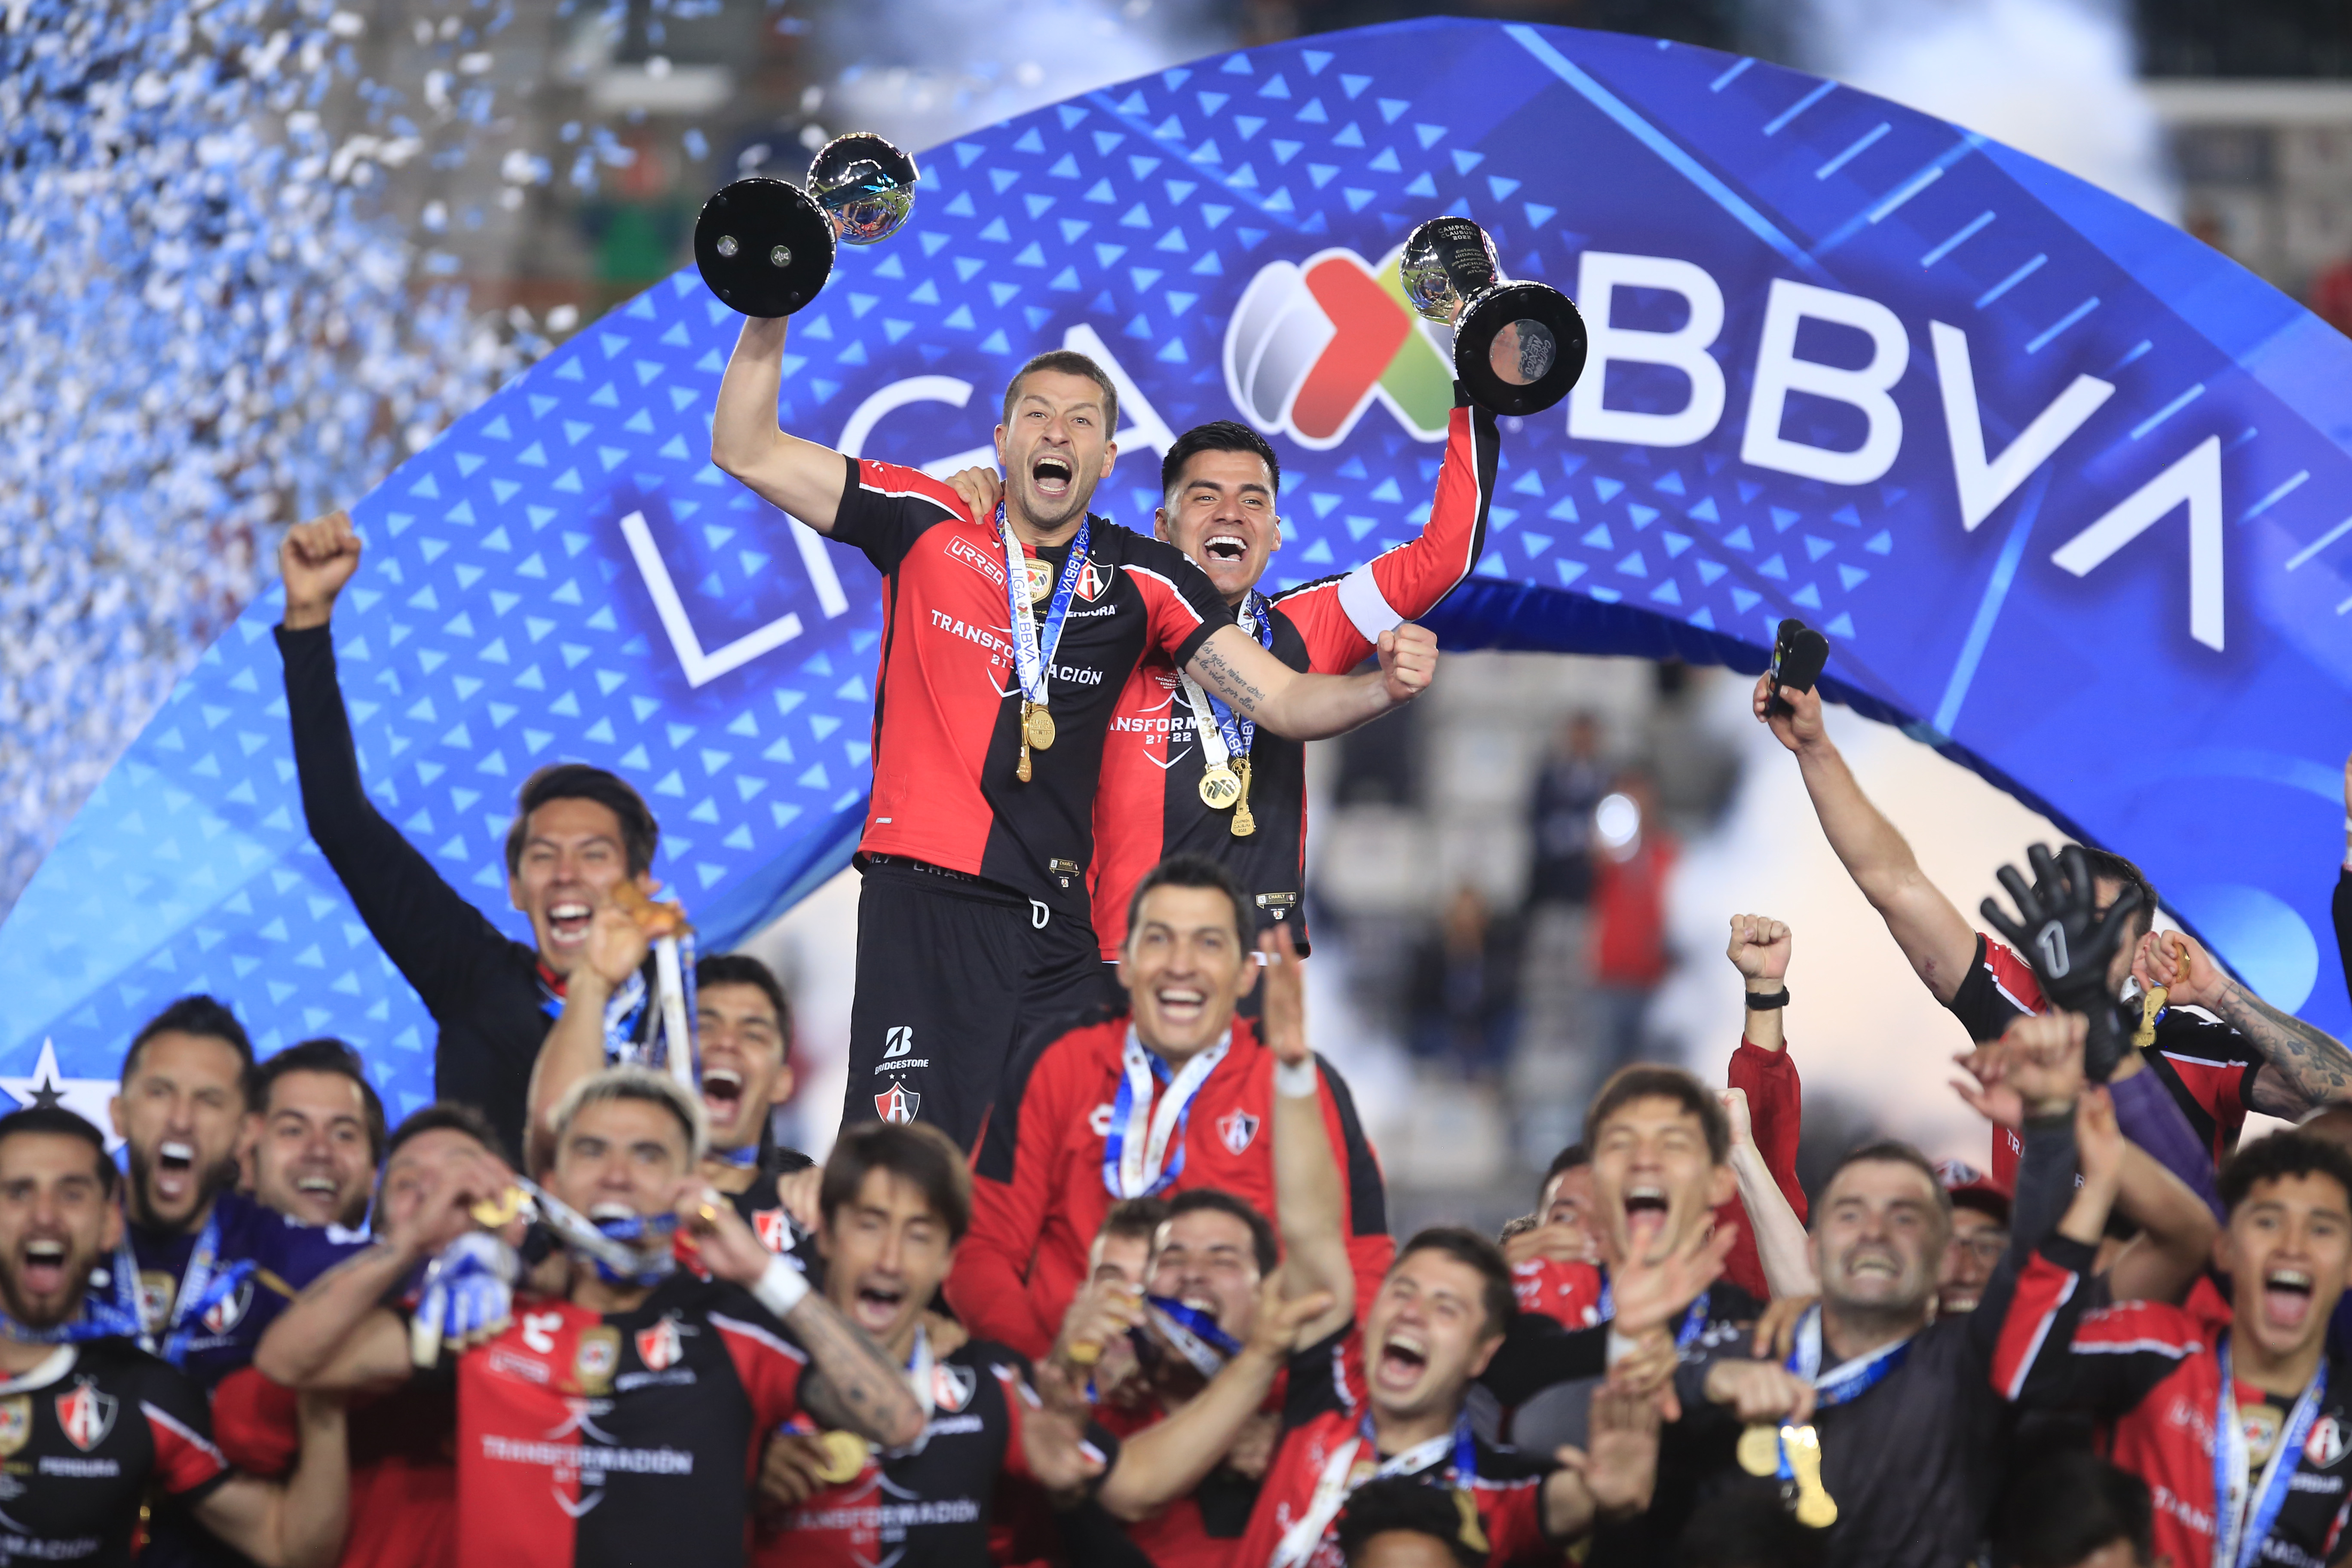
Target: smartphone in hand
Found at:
1799, 652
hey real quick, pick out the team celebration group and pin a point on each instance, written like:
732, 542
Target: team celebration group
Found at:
1099, 1270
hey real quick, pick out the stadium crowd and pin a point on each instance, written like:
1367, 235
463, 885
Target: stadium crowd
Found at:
1099, 1270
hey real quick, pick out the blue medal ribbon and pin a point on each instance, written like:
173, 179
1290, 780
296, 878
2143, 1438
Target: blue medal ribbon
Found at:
1694, 1319
2241, 1523
1239, 730
1465, 1454
623, 1011
649, 1234
1195, 1335
1032, 647
1848, 1381
1161, 1159
97, 1320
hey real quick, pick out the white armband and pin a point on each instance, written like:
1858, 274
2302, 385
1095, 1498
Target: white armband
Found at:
1297, 1081
1621, 1345
781, 1287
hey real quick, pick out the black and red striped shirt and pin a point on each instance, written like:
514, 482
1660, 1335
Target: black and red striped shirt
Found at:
1149, 805
624, 1439
85, 1435
2206, 1065
946, 706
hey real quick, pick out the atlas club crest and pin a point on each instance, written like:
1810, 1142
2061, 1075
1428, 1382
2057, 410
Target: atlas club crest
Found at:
86, 1415
898, 1104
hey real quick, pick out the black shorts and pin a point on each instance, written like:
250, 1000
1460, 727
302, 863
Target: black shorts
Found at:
953, 973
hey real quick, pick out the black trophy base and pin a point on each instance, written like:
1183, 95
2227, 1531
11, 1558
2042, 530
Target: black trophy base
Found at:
1519, 348
763, 246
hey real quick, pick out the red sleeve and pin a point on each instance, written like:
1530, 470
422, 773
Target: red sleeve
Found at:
1775, 1112
254, 1423
988, 1286
2051, 1353
1342, 618
187, 1464
1512, 1514
768, 1365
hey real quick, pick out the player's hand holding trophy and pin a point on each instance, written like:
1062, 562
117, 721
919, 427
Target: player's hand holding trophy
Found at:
765, 247
1517, 347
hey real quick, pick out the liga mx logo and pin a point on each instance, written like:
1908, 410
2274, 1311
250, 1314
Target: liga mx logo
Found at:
1313, 343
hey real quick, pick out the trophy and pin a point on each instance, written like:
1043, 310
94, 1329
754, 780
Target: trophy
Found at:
765, 246
1517, 347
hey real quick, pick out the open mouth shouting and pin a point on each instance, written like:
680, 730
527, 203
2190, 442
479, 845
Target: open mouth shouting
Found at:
1404, 1356
2286, 1298
174, 1175
877, 1305
1051, 476
1645, 1218
722, 1094
1228, 548
567, 921
44, 1271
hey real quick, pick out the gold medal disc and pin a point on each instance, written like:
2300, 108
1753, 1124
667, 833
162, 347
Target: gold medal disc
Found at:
845, 1458
1219, 787
1760, 1450
1038, 725
1040, 575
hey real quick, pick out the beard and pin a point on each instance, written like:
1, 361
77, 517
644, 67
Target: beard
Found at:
210, 1183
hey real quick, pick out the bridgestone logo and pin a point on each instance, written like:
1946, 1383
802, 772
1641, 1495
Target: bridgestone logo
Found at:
572, 1455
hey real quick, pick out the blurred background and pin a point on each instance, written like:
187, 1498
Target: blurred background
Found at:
304, 236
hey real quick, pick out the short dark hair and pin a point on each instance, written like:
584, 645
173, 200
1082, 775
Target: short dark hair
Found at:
446, 1116
1188, 870
640, 834
912, 1152
742, 969
1135, 1218
57, 1121
1651, 1080
2280, 1155
1465, 1245
1217, 435
1409, 1505
2068, 1504
1893, 1151
327, 1054
208, 1017
1567, 1159
1263, 1244
2108, 866
1519, 1224
1068, 362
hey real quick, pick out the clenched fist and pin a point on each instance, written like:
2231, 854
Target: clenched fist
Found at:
1407, 661
317, 559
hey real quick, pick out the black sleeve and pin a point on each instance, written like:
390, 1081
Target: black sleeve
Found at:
1179, 634
1317, 1375
2341, 908
1537, 1352
1979, 1004
2045, 1189
1367, 1202
885, 507
433, 936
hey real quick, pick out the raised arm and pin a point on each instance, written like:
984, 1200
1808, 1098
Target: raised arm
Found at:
2175, 1237
796, 476
1928, 927
1313, 706
1766, 1109
574, 1049
298, 1523
1310, 1204
2305, 1066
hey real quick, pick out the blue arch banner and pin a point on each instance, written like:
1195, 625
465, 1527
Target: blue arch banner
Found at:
2064, 488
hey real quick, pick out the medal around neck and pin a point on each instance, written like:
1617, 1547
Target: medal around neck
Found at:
766, 246
1517, 347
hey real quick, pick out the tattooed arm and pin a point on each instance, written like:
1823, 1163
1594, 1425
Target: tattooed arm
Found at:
2305, 1066
1304, 707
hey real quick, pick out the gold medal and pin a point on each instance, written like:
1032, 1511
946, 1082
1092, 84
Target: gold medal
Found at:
1243, 823
494, 1213
1041, 578
1037, 723
1219, 787
1815, 1507
1760, 1450
845, 1458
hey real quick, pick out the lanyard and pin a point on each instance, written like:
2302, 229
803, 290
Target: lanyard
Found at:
97, 1320
1226, 734
1032, 650
1848, 1381
1135, 1147
622, 1010
1693, 1320
205, 1284
2243, 1513
1339, 1480
1195, 1335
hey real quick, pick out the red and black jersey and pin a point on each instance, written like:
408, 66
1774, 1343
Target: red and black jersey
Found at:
2206, 1065
1038, 1194
2150, 1373
930, 1506
1323, 1410
1567, 1293
1149, 805
83, 1437
596, 1439
1201, 1529
947, 705
404, 1457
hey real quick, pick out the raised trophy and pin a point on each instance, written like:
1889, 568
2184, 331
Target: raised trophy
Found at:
765, 246
1517, 347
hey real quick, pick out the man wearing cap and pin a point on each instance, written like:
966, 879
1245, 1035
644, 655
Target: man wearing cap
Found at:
1979, 1236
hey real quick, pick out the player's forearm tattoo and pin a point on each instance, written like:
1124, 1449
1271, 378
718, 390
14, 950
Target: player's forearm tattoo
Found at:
1226, 681
2310, 1059
851, 1384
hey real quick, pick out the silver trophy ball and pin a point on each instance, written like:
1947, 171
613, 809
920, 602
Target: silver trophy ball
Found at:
1517, 347
766, 246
